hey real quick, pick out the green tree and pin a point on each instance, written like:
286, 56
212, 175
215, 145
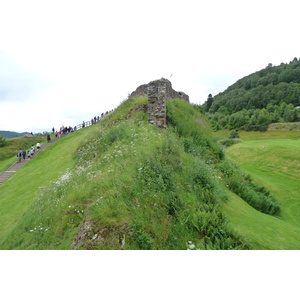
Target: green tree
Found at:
290, 113
234, 134
263, 120
209, 102
3, 141
223, 110
282, 109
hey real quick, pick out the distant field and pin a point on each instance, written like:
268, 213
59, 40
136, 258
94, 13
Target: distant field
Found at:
276, 165
275, 131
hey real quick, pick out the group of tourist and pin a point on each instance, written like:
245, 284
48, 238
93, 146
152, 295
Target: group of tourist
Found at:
23, 153
63, 130
94, 120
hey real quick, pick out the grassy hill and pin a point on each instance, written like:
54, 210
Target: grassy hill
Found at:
272, 85
257, 100
125, 184
11, 134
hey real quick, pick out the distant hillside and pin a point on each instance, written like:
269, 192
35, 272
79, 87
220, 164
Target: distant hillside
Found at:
11, 134
267, 96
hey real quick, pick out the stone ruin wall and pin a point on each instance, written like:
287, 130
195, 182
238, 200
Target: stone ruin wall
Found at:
158, 92
157, 109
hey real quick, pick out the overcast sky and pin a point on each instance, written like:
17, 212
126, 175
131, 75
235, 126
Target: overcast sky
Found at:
62, 62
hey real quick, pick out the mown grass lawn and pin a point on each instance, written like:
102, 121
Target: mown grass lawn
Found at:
271, 134
276, 165
7, 163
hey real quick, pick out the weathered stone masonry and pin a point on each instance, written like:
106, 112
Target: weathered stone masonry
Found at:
158, 92
157, 109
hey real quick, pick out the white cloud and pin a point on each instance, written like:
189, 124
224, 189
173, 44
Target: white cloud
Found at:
88, 55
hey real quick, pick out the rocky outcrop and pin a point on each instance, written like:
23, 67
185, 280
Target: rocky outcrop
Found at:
90, 236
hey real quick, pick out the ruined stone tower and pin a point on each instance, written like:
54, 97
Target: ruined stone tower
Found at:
158, 92
157, 110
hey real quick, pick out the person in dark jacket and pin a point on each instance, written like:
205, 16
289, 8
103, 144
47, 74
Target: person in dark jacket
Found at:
19, 155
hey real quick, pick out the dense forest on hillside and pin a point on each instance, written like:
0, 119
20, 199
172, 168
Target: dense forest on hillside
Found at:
253, 102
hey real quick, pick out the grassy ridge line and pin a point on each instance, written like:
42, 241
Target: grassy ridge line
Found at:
275, 164
20, 190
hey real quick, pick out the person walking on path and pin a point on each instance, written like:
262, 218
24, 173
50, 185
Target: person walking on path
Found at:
19, 155
24, 154
48, 138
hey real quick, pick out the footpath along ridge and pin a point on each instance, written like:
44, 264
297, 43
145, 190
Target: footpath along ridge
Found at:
18, 165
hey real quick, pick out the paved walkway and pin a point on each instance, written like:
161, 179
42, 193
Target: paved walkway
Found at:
18, 165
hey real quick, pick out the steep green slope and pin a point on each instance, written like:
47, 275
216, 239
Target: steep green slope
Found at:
275, 164
19, 192
125, 184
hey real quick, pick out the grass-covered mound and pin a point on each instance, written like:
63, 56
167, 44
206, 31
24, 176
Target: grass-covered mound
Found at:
125, 184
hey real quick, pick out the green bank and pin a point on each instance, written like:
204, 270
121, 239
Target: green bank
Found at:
126, 184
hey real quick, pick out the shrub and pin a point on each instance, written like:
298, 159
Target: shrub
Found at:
234, 134
256, 196
229, 142
3, 141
